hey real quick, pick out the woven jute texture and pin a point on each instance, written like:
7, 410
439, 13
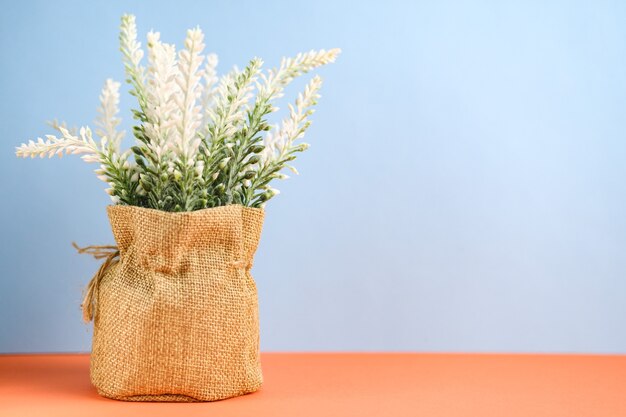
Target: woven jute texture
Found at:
176, 318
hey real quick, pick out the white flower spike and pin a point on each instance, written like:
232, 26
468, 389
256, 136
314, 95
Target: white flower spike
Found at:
202, 141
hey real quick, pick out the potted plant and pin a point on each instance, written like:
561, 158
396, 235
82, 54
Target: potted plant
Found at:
174, 304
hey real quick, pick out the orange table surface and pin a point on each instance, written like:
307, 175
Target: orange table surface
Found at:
348, 384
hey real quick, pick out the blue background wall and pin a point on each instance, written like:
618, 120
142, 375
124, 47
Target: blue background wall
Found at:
465, 190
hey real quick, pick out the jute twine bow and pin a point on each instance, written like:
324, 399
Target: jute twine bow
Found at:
110, 254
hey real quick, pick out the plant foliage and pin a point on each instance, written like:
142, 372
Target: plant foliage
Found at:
201, 141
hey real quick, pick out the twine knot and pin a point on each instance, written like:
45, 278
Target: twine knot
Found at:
110, 254
242, 263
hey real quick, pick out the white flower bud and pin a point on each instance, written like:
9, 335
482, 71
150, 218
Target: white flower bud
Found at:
273, 191
89, 158
224, 162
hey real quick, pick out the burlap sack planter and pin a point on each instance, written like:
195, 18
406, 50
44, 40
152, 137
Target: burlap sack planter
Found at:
176, 316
